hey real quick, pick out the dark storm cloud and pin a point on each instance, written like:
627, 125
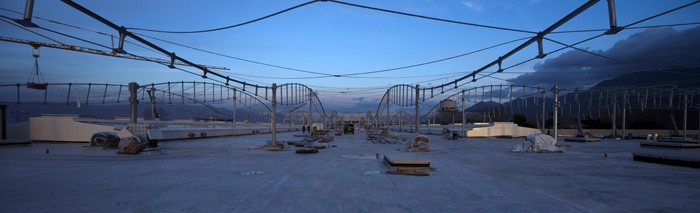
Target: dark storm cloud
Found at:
651, 49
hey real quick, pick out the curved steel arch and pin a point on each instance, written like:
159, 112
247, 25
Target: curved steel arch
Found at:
402, 95
297, 94
202, 99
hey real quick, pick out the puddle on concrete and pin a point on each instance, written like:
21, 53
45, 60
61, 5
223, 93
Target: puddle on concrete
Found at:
252, 173
369, 156
373, 172
151, 151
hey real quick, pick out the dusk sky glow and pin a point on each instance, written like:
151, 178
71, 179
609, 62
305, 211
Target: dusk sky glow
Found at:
341, 40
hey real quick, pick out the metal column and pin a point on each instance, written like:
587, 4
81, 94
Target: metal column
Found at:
311, 105
273, 120
463, 116
417, 108
685, 116
614, 116
555, 90
544, 110
234, 112
133, 100
27, 18
624, 114
388, 114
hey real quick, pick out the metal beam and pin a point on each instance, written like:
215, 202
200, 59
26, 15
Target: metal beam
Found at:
613, 19
549, 29
27, 19
99, 52
122, 29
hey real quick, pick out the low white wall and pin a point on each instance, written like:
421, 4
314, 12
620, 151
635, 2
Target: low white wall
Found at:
497, 129
501, 129
692, 133
63, 128
66, 128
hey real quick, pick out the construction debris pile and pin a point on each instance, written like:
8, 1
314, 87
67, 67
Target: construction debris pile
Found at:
419, 143
539, 143
126, 142
308, 146
131, 145
449, 135
106, 140
384, 137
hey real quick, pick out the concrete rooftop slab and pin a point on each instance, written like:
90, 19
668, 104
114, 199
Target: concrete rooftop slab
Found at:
232, 174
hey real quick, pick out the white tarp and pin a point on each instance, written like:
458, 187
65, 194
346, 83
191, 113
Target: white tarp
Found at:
539, 142
419, 143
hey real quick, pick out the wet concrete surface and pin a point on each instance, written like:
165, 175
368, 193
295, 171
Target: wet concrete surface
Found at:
232, 174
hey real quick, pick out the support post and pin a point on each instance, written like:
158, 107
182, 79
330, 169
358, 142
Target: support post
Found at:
273, 120
400, 121
388, 114
614, 29
614, 116
311, 106
417, 108
624, 114
27, 18
18, 100
463, 118
133, 100
104, 95
234, 112
68, 96
540, 48
685, 116
46, 91
544, 110
555, 90
152, 97
87, 98
170, 94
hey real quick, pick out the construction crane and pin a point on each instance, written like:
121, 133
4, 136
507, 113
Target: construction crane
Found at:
37, 44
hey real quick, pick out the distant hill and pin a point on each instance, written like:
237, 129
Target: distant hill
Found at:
485, 105
684, 77
569, 113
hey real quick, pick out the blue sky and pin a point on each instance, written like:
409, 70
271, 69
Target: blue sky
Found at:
325, 37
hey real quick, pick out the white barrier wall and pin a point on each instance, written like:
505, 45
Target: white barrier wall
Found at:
501, 129
63, 128
497, 129
66, 128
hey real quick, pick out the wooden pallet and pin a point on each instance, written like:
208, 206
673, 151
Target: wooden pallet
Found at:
406, 162
670, 159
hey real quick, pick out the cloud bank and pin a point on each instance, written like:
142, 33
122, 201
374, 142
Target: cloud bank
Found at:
651, 49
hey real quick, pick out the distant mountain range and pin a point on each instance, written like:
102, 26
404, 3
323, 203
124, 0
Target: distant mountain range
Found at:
665, 78
682, 77
569, 112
